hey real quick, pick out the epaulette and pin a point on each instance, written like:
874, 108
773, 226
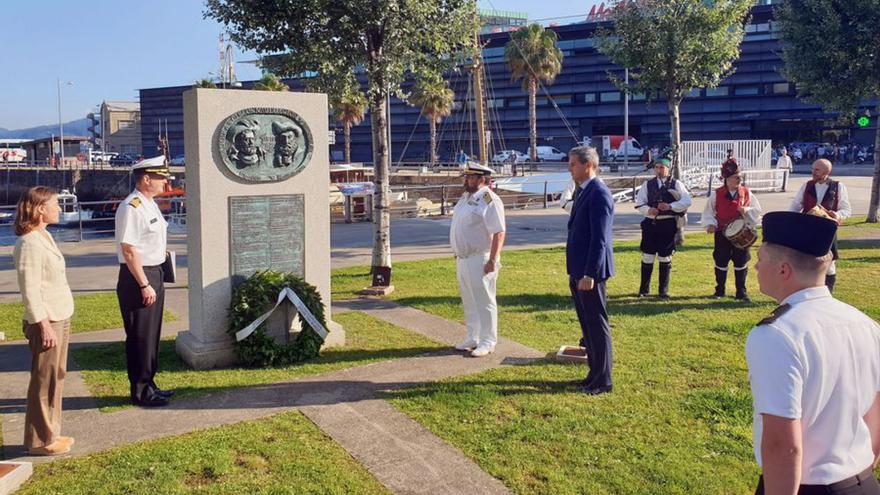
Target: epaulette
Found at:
487, 197
775, 314
135, 202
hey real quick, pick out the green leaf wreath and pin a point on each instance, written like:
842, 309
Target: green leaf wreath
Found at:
258, 294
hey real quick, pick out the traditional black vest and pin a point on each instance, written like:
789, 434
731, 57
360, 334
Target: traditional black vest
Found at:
658, 194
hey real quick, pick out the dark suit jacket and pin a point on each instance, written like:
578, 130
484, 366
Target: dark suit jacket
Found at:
589, 250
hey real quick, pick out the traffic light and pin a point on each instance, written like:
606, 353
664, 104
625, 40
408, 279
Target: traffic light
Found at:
94, 132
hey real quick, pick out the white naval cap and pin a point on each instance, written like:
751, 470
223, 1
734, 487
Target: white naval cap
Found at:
155, 165
476, 168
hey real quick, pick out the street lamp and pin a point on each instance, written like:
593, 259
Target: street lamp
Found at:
60, 123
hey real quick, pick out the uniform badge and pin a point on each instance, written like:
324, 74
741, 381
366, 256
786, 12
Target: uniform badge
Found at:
775, 314
135, 202
154, 221
487, 198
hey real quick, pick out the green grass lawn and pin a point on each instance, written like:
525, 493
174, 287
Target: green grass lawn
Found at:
679, 420
284, 454
368, 340
92, 312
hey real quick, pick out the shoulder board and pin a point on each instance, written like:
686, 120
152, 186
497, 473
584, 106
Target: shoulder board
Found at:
775, 314
135, 202
487, 197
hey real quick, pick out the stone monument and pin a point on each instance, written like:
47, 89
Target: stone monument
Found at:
257, 170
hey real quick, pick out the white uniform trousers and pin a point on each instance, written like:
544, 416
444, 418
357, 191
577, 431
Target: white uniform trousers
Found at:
478, 298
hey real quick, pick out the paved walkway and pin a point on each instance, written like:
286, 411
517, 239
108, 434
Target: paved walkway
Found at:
399, 452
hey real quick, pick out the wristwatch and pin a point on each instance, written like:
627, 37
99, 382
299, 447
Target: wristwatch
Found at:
142, 287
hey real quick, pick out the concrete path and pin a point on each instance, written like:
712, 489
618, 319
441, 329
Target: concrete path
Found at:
402, 454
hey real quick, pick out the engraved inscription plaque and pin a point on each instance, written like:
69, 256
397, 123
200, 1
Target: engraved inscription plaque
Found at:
266, 232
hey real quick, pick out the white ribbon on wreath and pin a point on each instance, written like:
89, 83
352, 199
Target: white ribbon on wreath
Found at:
290, 295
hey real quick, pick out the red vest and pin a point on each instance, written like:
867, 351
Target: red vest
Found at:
829, 201
726, 209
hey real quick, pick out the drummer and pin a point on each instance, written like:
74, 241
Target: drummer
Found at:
730, 202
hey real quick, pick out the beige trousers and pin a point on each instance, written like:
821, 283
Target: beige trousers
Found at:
42, 419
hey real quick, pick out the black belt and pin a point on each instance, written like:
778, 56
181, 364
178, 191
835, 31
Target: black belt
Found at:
145, 267
868, 473
856, 480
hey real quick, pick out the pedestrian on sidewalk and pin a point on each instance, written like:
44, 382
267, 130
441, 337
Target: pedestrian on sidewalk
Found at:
589, 261
477, 236
141, 239
48, 306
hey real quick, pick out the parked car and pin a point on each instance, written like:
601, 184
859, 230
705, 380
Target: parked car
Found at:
510, 156
99, 156
123, 160
179, 160
550, 154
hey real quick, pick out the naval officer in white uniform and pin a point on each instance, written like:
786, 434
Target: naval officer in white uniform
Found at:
814, 368
141, 239
477, 236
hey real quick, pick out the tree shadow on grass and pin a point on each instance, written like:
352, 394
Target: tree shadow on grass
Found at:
619, 304
858, 243
110, 358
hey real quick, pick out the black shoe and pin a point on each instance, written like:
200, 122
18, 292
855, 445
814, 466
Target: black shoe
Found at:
642, 295
164, 393
154, 401
744, 298
663, 296
596, 390
578, 383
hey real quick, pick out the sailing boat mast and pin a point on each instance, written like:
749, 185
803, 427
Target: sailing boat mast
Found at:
478, 93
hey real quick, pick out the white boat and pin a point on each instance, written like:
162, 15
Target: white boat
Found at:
71, 213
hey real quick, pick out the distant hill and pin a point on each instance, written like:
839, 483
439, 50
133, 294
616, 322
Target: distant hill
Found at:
78, 127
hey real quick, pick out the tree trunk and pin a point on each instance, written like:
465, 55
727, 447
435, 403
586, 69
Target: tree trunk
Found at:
381, 264
533, 122
432, 123
875, 184
675, 136
346, 126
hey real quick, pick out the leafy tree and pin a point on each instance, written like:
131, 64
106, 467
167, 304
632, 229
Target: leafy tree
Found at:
532, 56
205, 83
271, 82
386, 40
434, 96
831, 50
674, 46
348, 108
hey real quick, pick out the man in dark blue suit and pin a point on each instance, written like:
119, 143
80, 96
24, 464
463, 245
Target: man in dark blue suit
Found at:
590, 262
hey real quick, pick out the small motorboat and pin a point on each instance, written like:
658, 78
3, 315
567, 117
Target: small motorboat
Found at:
71, 213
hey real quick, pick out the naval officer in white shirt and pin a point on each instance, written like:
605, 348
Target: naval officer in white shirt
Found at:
814, 368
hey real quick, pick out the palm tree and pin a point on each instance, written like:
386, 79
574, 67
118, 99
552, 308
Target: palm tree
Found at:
435, 98
205, 83
532, 56
349, 109
270, 82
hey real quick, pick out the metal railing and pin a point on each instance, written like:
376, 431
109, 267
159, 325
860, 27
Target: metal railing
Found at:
100, 221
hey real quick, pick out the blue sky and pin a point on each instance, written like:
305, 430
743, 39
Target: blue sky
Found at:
109, 49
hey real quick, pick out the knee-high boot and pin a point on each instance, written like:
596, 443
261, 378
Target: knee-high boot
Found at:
645, 286
720, 282
740, 276
663, 274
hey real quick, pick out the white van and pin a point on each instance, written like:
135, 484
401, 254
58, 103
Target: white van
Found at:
550, 154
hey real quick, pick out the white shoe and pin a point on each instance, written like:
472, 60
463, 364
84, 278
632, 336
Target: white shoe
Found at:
465, 345
482, 351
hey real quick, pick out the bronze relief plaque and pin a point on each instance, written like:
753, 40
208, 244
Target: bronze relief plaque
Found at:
264, 144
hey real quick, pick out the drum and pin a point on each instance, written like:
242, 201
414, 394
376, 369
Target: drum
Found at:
740, 234
819, 212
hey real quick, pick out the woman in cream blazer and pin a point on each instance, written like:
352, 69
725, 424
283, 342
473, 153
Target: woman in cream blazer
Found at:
48, 307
